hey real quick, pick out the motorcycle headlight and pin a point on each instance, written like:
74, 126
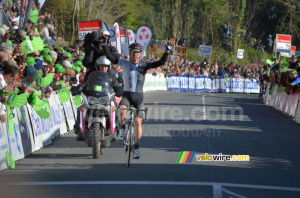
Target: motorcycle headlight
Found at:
103, 100
92, 100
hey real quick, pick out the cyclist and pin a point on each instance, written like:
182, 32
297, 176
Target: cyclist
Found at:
134, 73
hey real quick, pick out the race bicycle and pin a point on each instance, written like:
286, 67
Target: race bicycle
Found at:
128, 141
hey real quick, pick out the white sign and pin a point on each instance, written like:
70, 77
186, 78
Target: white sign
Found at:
204, 50
285, 54
297, 53
240, 53
283, 43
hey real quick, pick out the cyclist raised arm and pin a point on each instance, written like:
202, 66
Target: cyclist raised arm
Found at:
134, 78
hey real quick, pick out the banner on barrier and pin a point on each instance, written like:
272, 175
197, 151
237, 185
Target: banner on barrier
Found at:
3, 145
200, 86
203, 83
14, 140
192, 84
25, 130
184, 83
36, 128
69, 114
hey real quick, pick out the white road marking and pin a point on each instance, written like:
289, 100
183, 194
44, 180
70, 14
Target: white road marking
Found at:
217, 191
204, 108
172, 183
232, 193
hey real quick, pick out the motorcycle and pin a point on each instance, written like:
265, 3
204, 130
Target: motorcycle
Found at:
98, 113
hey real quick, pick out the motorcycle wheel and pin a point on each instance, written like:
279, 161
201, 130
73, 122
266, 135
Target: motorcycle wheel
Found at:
96, 143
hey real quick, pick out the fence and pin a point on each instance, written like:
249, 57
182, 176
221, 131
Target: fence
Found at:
31, 133
201, 83
289, 104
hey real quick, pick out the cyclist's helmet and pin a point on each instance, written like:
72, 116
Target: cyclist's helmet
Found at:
135, 47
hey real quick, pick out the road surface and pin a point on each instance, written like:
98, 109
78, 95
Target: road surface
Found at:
213, 123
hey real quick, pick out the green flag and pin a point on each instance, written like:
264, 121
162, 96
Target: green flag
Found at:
14, 100
281, 89
10, 160
63, 93
77, 100
10, 121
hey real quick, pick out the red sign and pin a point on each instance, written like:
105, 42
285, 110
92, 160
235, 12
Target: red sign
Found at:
123, 35
284, 38
86, 27
293, 49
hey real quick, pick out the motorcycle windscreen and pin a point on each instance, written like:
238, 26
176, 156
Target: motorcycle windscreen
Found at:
98, 84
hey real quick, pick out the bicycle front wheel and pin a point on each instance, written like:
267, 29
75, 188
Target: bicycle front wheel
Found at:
130, 143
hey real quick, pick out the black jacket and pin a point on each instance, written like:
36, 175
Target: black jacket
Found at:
91, 56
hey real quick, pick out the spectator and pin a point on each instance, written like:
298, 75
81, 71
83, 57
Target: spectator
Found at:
293, 62
49, 19
259, 45
7, 79
8, 50
269, 44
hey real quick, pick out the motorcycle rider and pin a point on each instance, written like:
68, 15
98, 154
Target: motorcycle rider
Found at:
133, 78
104, 65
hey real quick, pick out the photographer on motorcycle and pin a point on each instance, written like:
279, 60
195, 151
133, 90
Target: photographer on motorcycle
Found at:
134, 77
93, 49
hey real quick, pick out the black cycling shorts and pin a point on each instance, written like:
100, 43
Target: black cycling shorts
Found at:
133, 99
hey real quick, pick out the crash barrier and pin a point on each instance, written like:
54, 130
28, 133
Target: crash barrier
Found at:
187, 83
155, 83
287, 103
31, 133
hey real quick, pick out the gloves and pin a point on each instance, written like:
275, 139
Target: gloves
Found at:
168, 47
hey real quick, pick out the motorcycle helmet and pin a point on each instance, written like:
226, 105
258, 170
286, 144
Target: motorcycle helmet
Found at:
102, 60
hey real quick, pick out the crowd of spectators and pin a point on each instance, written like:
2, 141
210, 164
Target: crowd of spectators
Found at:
45, 23
30, 55
185, 67
281, 72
